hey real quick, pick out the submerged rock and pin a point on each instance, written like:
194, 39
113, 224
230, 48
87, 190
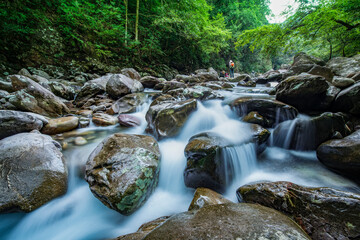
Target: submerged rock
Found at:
229, 221
166, 116
13, 122
205, 197
272, 111
123, 171
324, 213
342, 155
33, 171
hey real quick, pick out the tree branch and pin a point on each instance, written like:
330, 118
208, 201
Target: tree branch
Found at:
347, 25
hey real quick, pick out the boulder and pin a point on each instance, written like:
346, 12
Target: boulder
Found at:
309, 133
343, 66
205, 197
342, 155
186, 78
303, 58
342, 82
119, 85
150, 81
39, 72
272, 111
131, 73
241, 77
322, 71
60, 125
171, 85
256, 118
32, 97
62, 90
87, 92
305, 92
229, 221
13, 122
25, 73
207, 76
348, 100
123, 171
102, 119
34, 172
128, 103
166, 116
247, 84
324, 213
6, 86
301, 68
127, 120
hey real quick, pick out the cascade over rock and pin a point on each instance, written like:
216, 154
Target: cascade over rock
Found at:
123, 171
324, 213
33, 170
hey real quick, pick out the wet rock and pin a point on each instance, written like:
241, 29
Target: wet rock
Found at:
62, 90
159, 86
247, 84
34, 98
127, 120
87, 92
128, 104
342, 155
195, 92
309, 133
342, 82
322, 71
150, 81
343, 66
103, 119
324, 213
229, 221
85, 113
166, 116
171, 85
84, 122
6, 86
60, 125
123, 171
273, 111
348, 100
256, 118
259, 136
79, 141
34, 172
13, 122
119, 85
205, 197
305, 92
131, 73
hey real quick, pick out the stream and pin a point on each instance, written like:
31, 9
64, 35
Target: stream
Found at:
79, 215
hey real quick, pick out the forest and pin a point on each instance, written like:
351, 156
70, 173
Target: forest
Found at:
185, 35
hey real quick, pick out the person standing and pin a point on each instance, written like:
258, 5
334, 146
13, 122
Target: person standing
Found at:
231, 66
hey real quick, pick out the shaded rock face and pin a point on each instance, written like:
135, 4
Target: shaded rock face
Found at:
129, 103
166, 116
272, 111
309, 133
342, 155
150, 81
88, 91
33, 172
120, 85
322, 71
303, 58
342, 82
123, 171
348, 100
32, 97
13, 122
343, 66
60, 125
305, 92
205, 197
229, 221
324, 213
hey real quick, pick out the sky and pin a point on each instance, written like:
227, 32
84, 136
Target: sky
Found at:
277, 7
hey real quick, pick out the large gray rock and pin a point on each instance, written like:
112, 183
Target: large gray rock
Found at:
150, 81
324, 213
33, 172
229, 221
88, 91
305, 92
348, 100
13, 122
343, 66
32, 97
131, 73
303, 58
119, 85
62, 90
123, 171
322, 71
342, 155
128, 103
205, 197
166, 116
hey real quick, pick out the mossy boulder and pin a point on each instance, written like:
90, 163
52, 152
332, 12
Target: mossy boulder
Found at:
33, 172
229, 221
166, 116
324, 213
123, 171
342, 155
272, 111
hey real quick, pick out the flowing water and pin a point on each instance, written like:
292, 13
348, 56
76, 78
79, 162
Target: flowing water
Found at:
79, 215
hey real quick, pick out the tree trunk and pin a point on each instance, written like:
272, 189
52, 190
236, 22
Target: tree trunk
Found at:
330, 50
137, 21
126, 20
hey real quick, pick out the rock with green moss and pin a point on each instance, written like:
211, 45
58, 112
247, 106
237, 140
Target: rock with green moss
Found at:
166, 116
33, 172
229, 221
324, 213
32, 97
123, 171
